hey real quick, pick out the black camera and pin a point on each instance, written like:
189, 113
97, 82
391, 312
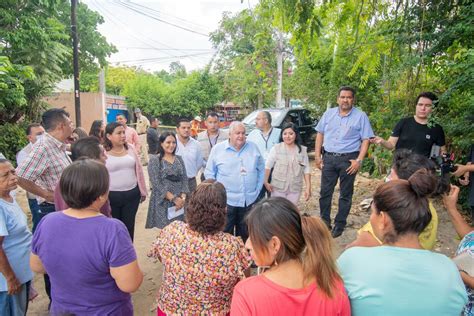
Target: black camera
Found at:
445, 163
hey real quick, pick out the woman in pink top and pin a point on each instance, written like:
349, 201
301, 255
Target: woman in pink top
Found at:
301, 276
127, 181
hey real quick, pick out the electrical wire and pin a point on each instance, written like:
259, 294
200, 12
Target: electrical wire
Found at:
120, 3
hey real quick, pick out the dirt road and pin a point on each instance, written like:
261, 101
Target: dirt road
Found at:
143, 299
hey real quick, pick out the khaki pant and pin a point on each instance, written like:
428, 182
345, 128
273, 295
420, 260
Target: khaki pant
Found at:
143, 148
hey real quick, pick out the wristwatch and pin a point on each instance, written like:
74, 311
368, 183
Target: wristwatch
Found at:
359, 161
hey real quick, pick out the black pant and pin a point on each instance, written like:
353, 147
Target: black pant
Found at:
124, 206
264, 192
192, 184
45, 208
334, 168
236, 219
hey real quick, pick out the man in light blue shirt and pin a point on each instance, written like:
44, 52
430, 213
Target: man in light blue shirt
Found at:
265, 136
344, 132
239, 166
190, 150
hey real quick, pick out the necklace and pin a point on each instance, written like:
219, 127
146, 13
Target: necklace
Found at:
118, 152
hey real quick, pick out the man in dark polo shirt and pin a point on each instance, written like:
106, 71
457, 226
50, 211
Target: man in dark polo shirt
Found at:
414, 132
152, 136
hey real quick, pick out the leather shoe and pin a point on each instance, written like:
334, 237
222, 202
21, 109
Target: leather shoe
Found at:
336, 232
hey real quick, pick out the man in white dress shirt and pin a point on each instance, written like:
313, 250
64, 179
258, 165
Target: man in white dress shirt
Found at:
190, 150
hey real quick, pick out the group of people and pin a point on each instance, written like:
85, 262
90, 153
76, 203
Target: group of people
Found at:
84, 198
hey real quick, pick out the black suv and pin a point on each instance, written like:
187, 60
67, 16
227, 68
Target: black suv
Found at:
299, 116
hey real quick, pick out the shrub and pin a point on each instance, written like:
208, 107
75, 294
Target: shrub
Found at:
13, 139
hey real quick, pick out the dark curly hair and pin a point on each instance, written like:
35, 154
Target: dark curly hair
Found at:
207, 208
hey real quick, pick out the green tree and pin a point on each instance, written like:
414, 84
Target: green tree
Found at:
148, 92
246, 64
36, 33
195, 94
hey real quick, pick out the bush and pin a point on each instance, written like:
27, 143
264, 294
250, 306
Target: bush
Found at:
12, 141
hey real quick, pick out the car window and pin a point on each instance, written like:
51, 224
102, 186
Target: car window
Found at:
305, 118
292, 117
250, 119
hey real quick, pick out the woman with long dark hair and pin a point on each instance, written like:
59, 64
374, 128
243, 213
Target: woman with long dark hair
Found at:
169, 184
400, 277
198, 252
98, 130
301, 276
290, 164
405, 164
127, 181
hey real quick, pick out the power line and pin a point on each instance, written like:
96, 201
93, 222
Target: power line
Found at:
159, 58
181, 49
116, 21
172, 16
118, 2
112, 17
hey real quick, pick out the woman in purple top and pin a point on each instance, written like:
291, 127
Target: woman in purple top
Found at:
88, 147
90, 258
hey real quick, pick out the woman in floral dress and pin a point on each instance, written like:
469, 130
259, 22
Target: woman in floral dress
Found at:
202, 264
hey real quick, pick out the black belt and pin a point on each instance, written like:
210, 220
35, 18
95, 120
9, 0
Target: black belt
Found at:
47, 204
192, 178
340, 154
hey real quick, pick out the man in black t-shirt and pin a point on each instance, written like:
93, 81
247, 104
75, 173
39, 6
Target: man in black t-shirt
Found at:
414, 133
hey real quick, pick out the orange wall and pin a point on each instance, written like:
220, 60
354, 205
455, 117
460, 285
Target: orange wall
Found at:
92, 106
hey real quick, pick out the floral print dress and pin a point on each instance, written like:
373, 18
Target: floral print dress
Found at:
200, 271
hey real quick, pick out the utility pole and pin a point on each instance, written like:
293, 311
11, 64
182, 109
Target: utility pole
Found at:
279, 55
75, 56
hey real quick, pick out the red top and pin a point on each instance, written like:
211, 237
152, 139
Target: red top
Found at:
259, 296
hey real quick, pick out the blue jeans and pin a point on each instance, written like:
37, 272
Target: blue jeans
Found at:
13, 305
35, 213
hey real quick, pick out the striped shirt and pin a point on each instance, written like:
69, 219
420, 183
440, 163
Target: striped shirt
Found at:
45, 163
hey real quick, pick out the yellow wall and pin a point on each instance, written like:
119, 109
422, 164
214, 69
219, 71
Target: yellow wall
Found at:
92, 106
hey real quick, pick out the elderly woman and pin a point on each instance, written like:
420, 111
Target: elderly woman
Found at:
90, 258
15, 242
202, 264
400, 277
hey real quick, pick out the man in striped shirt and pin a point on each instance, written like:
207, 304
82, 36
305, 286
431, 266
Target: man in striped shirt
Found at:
39, 173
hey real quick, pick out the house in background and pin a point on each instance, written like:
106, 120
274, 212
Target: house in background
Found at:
94, 105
